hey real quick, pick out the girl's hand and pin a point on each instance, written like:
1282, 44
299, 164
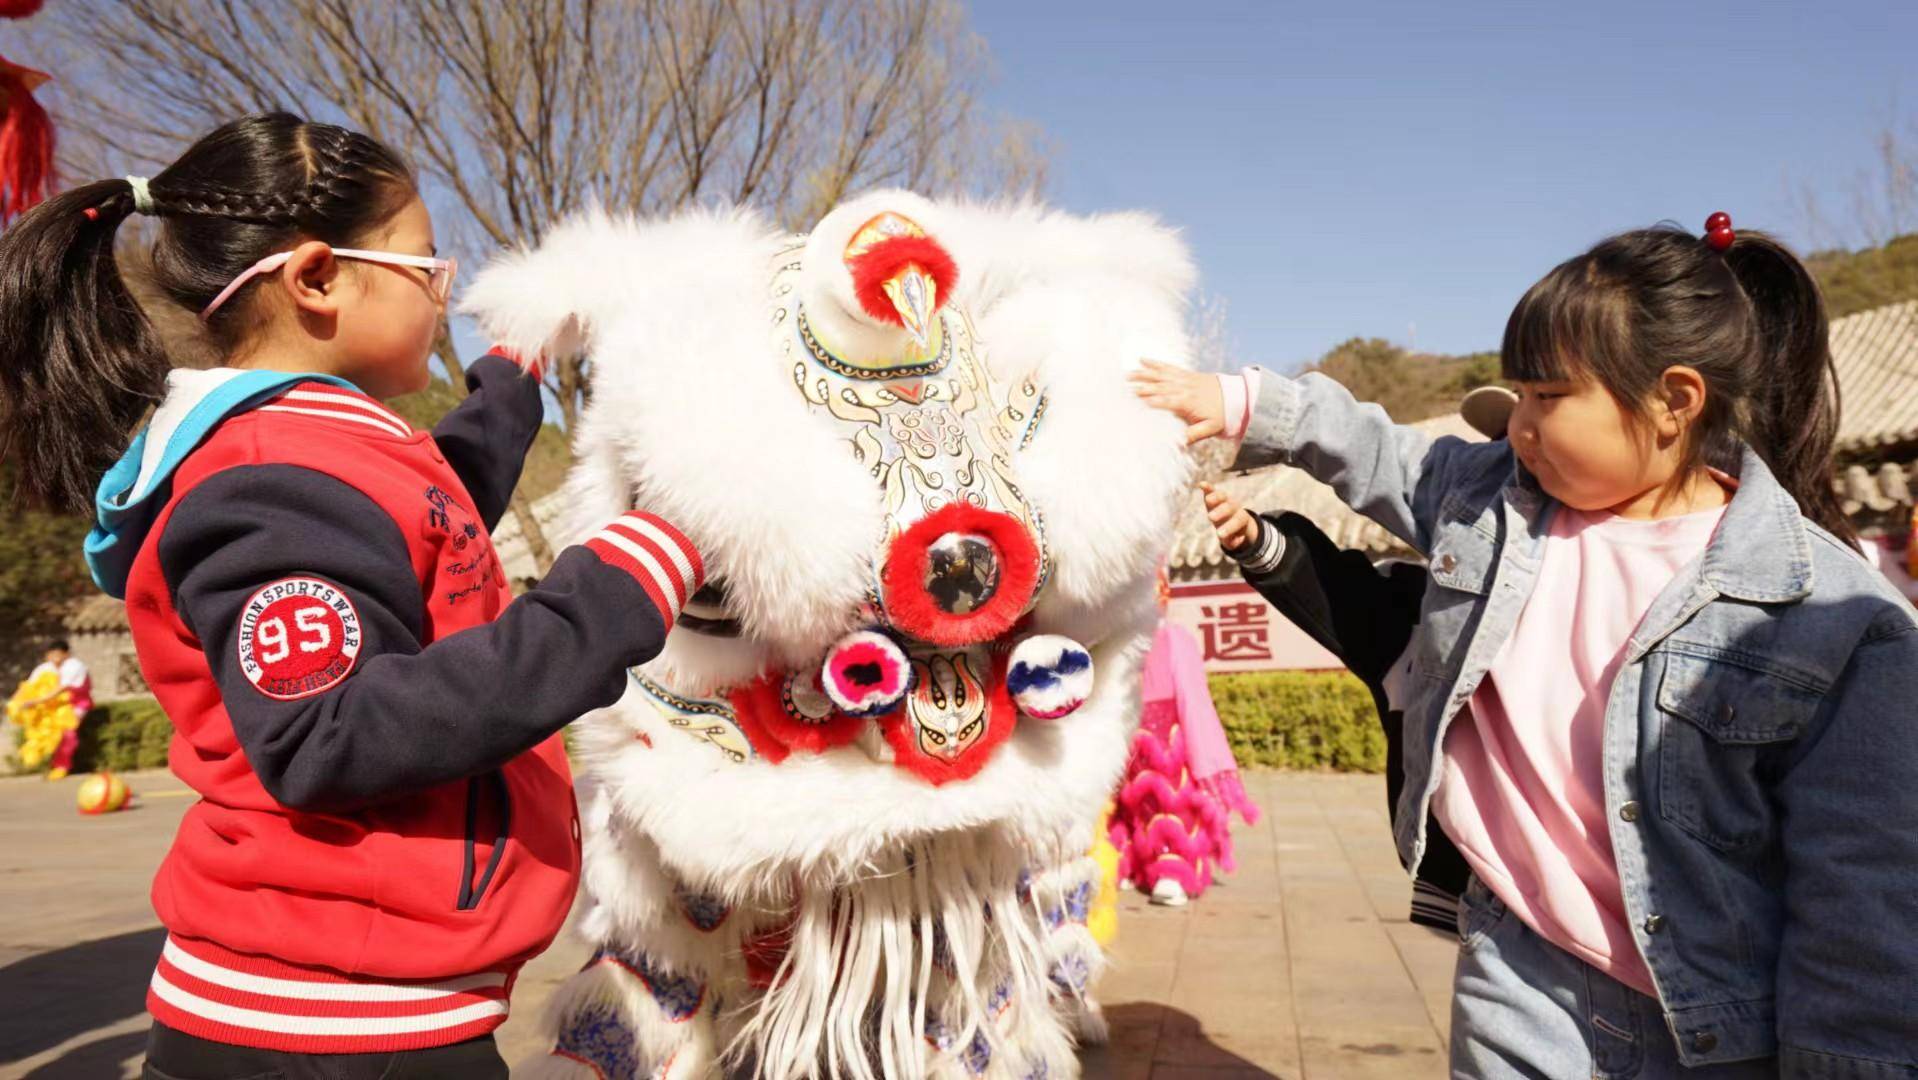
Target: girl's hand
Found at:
1189, 395
1230, 519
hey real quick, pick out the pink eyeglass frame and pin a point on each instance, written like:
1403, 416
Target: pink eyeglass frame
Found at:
440, 280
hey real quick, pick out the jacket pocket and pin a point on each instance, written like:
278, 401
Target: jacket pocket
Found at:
487, 800
1464, 555
1720, 725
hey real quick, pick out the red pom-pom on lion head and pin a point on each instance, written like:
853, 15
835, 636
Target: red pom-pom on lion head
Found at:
886, 247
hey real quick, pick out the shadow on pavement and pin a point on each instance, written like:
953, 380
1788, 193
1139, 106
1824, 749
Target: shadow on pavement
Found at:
55, 995
1146, 1035
102, 1057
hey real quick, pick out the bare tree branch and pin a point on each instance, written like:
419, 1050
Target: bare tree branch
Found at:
516, 116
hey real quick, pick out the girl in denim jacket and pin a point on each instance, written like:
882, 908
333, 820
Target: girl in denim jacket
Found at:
1666, 710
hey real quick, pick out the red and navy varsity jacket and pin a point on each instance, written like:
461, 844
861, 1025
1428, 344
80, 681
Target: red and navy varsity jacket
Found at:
387, 828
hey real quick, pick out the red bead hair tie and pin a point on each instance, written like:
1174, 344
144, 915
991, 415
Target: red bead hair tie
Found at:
1718, 231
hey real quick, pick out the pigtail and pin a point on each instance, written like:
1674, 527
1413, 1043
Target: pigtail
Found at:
79, 363
1792, 418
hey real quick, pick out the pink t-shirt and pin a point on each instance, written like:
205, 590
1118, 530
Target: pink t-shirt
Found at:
1522, 789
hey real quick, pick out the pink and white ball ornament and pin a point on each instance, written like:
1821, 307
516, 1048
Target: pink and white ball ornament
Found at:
1049, 676
866, 674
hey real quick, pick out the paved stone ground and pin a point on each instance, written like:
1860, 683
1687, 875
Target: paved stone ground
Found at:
1301, 966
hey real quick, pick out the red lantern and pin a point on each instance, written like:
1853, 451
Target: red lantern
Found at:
26, 140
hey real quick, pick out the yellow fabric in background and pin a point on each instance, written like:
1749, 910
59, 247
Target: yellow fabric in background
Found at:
1103, 918
41, 725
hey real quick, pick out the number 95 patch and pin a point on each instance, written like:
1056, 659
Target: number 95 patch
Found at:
298, 637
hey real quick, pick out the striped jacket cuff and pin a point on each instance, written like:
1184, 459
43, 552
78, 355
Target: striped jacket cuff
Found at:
1262, 555
1238, 391
657, 555
1434, 907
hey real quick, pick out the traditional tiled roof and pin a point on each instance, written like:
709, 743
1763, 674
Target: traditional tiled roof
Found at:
1876, 355
97, 614
1880, 490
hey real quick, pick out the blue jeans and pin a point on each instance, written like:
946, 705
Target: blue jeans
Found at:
1524, 1008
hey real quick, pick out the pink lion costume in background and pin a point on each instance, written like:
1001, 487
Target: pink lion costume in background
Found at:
1172, 822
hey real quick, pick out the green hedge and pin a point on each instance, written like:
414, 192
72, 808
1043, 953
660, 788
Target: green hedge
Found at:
1300, 720
129, 734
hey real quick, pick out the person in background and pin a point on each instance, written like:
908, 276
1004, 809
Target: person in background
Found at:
77, 684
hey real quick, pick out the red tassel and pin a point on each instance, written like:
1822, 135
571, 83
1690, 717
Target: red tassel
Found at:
26, 142
19, 9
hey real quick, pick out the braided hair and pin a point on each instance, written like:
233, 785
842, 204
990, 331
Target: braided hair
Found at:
79, 362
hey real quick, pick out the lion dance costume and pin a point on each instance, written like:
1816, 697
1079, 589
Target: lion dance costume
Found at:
840, 826
1172, 824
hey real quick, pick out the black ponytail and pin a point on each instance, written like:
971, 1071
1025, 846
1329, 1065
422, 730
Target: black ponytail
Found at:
1750, 320
79, 362
1792, 416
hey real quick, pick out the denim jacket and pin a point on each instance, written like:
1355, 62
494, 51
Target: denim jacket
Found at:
1760, 741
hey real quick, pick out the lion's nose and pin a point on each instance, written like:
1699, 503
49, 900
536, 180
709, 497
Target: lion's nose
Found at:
960, 575
962, 572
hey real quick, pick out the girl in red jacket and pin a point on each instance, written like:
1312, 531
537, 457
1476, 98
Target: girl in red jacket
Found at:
387, 828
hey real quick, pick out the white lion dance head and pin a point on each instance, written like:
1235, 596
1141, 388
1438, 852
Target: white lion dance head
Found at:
840, 826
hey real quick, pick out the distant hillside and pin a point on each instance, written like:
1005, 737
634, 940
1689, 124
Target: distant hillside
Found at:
1410, 386
1856, 281
1414, 386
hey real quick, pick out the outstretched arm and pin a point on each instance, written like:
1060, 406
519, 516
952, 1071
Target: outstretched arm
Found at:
301, 591
1394, 474
485, 437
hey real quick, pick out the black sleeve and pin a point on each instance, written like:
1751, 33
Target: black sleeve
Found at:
1337, 596
403, 716
485, 438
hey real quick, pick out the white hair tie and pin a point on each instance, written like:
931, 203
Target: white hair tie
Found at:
142, 198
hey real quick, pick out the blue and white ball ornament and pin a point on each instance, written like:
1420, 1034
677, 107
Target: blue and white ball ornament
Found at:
1049, 676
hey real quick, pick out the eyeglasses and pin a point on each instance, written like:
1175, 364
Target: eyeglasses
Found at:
439, 277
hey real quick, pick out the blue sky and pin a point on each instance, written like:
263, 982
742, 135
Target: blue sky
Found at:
1367, 168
